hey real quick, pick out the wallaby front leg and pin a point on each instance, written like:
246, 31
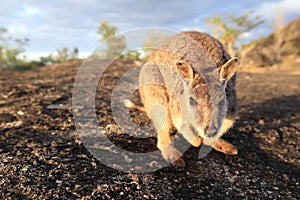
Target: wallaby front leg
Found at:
188, 134
163, 126
226, 125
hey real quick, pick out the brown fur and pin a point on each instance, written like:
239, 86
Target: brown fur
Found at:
182, 98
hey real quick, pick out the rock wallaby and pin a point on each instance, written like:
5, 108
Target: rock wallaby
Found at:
188, 83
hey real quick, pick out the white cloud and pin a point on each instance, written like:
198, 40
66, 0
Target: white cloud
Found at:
245, 35
73, 23
290, 8
34, 55
29, 10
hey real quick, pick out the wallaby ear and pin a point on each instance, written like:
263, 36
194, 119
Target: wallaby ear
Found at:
228, 69
185, 71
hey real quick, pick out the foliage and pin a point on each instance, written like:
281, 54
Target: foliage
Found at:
132, 55
115, 44
155, 38
282, 46
61, 55
10, 50
229, 29
106, 31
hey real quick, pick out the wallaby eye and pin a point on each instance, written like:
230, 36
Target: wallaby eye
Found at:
179, 63
193, 102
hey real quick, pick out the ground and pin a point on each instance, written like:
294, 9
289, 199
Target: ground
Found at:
42, 156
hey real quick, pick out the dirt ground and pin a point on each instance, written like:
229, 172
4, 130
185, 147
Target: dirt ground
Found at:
42, 156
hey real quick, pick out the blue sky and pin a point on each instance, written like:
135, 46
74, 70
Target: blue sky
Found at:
55, 24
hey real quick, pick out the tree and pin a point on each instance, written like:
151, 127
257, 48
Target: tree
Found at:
132, 55
60, 56
115, 44
229, 30
279, 24
74, 54
10, 50
106, 31
155, 38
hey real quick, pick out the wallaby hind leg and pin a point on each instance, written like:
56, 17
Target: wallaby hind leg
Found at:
225, 147
130, 104
162, 123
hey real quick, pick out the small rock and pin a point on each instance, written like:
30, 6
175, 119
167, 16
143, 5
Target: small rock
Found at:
94, 164
58, 182
272, 136
154, 164
261, 122
256, 130
127, 159
275, 188
53, 144
78, 141
20, 113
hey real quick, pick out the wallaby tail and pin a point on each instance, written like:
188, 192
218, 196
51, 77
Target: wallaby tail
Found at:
130, 104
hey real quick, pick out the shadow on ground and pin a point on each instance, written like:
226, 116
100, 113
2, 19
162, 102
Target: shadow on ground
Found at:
273, 131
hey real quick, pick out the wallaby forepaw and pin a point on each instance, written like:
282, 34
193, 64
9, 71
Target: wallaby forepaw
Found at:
173, 156
225, 147
179, 162
197, 141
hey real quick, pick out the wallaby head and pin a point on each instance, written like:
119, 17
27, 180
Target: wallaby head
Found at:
204, 103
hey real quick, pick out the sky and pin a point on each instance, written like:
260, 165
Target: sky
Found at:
54, 24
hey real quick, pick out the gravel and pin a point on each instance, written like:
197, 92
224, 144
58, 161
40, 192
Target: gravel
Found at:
43, 157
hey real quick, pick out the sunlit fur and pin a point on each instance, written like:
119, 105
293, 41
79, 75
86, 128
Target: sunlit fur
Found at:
174, 86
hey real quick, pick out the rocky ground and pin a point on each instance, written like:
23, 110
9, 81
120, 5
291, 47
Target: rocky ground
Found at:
42, 156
